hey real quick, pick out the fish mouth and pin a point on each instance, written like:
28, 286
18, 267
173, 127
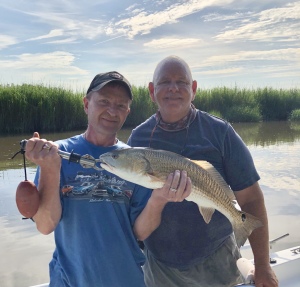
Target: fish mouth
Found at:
103, 162
106, 166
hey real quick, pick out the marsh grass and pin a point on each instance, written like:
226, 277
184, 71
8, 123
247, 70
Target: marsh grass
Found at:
232, 104
141, 108
295, 115
27, 108
277, 104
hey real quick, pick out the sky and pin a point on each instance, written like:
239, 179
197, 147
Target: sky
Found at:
244, 44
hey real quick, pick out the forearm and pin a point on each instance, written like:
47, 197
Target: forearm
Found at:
149, 219
259, 239
251, 200
49, 212
45, 154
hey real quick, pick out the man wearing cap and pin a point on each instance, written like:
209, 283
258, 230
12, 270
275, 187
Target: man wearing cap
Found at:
93, 223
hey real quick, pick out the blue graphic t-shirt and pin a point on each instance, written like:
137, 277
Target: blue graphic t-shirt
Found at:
95, 244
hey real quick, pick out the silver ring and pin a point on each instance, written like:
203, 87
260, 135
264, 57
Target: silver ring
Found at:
46, 146
173, 189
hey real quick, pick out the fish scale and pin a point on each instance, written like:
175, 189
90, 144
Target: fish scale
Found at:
201, 187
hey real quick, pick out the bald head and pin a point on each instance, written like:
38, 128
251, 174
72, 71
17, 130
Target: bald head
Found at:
175, 62
173, 88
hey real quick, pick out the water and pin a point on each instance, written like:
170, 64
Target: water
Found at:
275, 147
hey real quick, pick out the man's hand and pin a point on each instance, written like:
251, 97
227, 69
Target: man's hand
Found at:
264, 276
42, 152
177, 187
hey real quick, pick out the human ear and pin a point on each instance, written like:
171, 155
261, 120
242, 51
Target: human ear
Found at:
151, 91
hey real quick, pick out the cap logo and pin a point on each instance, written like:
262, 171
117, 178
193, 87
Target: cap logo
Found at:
115, 76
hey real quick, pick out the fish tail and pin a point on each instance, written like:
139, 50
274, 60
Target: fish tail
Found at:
244, 227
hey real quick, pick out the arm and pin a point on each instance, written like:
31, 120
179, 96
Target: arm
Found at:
251, 200
49, 211
150, 217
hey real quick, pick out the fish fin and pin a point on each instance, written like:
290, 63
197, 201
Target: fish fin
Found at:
244, 227
216, 176
147, 166
206, 213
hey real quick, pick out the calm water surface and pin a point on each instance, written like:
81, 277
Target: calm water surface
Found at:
275, 147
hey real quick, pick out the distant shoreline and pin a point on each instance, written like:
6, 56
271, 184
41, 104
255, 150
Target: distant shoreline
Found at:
27, 108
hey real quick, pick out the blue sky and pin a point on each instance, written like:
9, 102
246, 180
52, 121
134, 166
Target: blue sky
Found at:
248, 44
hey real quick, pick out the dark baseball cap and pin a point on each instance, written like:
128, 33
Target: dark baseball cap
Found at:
100, 80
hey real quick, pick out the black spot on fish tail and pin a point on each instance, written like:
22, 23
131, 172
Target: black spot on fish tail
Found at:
243, 228
244, 217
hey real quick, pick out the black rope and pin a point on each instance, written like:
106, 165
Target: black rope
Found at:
22, 151
24, 165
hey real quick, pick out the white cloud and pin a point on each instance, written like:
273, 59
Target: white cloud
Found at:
167, 43
51, 34
289, 54
6, 41
260, 66
64, 41
229, 37
219, 17
86, 28
226, 72
144, 22
55, 62
282, 71
281, 24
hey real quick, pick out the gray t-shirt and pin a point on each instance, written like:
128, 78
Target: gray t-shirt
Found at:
183, 238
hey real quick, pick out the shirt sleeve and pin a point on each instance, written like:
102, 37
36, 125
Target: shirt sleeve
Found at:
239, 166
138, 202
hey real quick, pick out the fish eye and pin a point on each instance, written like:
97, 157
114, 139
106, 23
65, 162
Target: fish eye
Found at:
115, 156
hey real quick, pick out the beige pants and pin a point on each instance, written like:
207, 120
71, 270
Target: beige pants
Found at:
218, 270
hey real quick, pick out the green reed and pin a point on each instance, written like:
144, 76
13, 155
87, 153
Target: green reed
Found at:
277, 104
232, 104
295, 115
141, 108
27, 108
